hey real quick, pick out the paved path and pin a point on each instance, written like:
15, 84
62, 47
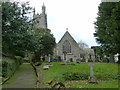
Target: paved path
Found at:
23, 78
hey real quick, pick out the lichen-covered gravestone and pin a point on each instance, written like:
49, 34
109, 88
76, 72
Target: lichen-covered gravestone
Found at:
92, 78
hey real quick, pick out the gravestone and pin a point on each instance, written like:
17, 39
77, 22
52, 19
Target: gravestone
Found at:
41, 58
116, 57
91, 70
65, 61
92, 78
46, 67
49, 58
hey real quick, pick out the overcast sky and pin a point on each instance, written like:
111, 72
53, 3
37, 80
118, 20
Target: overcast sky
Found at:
76, 15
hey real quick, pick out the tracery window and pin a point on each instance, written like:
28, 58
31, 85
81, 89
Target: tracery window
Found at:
66, 47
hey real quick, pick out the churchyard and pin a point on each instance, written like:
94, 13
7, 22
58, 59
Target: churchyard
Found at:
75, 75
31, 57
65, 75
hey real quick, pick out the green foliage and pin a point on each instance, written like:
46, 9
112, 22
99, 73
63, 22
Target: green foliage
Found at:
18, 34
99, 54
75, 76
44, 41
9, 66
108, 27
15, 26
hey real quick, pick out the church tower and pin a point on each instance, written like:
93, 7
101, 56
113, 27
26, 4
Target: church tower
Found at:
40, 21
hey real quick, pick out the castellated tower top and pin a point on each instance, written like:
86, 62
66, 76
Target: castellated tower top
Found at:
40, 20
43, 8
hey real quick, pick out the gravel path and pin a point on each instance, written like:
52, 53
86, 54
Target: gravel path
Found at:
23, 78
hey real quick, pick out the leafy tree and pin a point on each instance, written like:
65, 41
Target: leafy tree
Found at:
15, 26
99, 54
18, 35
108, 27
44, 43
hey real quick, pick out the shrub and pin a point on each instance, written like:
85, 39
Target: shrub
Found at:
90, 60
75, 76
18, 60
4, 69
105, 60
9, 66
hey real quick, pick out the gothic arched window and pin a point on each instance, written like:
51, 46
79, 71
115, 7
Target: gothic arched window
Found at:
66, 47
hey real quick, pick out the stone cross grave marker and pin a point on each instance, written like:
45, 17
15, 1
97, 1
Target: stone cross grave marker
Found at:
91, 70
92, 78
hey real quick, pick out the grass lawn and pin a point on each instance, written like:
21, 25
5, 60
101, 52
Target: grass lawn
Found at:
106, 73
101, 84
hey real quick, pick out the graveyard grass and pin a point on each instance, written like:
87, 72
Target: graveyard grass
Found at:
106, 73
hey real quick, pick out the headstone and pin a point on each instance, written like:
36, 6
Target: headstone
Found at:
49, 58
49, 64
41, 58
64, 61
46, 58
46, 67
92, 78
91, 70
116, 57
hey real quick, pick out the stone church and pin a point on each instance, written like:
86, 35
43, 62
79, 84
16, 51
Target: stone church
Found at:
67, 49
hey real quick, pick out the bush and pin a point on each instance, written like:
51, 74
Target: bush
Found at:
106, 60
75, 76
18, 60
9, 66
4, 69
90, 60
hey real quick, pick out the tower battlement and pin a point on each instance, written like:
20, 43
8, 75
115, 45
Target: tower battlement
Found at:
40, 20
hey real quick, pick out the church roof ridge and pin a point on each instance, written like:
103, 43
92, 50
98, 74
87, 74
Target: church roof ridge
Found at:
67, 32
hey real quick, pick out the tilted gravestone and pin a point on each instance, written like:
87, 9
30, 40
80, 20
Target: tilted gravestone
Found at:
92, 78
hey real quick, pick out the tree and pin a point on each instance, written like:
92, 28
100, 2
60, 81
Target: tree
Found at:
15, 26
43, 43
108, 27
18, 35
99, 55
82, 44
